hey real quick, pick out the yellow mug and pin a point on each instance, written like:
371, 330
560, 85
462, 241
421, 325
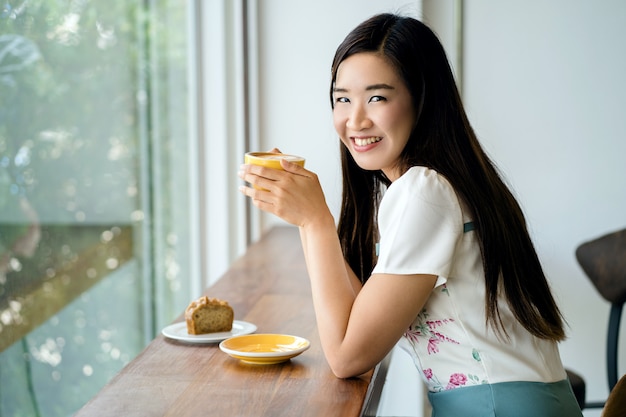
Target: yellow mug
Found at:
270, 160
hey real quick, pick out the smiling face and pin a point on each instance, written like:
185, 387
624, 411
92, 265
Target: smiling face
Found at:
373, 112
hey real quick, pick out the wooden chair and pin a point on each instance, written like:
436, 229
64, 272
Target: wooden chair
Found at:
616, 403
604, 262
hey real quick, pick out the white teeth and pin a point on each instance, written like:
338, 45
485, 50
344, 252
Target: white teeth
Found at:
366, 141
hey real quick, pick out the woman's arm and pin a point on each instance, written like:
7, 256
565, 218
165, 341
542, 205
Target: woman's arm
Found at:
357, 329
357, 326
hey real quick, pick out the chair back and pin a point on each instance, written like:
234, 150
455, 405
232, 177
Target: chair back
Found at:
604, 262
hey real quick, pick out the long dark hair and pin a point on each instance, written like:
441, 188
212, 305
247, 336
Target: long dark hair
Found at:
444, 141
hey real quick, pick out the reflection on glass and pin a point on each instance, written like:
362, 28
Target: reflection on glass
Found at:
87, 92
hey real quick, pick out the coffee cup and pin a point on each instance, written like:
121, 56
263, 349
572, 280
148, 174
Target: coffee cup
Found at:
271, 160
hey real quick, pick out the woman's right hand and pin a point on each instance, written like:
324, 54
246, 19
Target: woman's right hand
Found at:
294, 194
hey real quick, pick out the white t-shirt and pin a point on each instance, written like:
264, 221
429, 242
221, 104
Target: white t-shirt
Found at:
421, 222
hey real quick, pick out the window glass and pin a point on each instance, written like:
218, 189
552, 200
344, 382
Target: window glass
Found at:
94, 192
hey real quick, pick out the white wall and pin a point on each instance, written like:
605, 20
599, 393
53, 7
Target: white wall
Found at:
545, 88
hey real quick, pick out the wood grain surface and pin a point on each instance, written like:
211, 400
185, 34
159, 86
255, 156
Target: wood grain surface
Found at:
269, 287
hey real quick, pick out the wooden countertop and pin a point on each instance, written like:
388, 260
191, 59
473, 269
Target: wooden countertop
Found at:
269, 287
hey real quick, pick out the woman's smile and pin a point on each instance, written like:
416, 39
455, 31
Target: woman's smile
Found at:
363, 143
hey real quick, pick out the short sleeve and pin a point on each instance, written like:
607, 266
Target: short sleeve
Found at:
420, 222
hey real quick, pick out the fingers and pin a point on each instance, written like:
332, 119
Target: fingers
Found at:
255, 194
263, 176
292, 167
258, 176
257, 198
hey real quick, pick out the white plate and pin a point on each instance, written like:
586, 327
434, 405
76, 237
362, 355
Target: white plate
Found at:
178, 331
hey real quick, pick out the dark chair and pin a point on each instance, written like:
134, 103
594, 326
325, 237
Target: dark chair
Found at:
578, 387
604, 262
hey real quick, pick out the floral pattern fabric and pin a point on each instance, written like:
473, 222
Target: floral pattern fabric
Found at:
430, 332
433, 333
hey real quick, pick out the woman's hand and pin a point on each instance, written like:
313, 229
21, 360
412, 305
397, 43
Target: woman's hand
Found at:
295, 194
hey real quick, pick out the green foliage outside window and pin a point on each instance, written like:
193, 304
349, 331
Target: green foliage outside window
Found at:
92, 120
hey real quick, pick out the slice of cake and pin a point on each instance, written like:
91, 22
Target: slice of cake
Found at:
209, 315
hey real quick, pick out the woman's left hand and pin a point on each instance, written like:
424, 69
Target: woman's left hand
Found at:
295, 194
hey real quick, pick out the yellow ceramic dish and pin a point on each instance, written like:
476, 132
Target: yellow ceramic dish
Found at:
264, 349
270, 159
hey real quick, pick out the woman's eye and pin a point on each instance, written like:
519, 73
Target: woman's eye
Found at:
342, 100
375, 99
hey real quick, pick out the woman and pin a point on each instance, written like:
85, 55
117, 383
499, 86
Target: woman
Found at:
431, 247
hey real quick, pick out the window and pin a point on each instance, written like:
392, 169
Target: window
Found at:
97, 231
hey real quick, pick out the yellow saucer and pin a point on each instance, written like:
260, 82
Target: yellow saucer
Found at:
264, 349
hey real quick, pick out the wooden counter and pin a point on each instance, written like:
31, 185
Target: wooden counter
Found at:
269, 287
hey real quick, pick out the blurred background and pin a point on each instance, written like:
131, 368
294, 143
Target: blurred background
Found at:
122, 125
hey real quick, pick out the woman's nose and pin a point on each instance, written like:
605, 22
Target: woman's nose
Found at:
358, 119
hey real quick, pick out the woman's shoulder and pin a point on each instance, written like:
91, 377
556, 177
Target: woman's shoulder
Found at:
424, 171
421, 187
424, 179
